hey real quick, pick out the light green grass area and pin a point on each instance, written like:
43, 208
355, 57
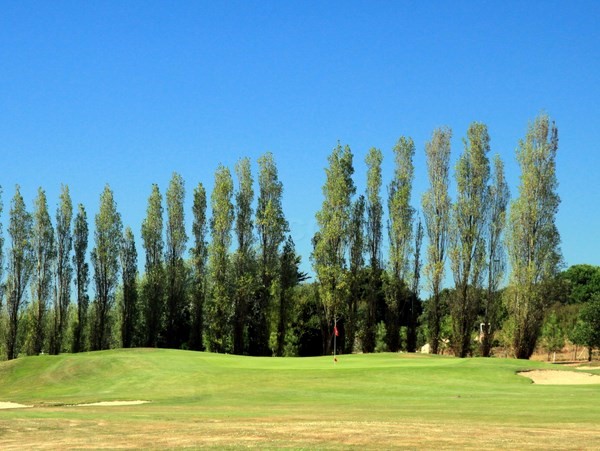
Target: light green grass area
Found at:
222, 401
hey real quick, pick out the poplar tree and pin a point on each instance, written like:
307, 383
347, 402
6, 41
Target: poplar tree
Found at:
199, 255
331, 241
356, 244
129, 310
533, 238
153, 288
436, 211
290, 276
176, 324
82, 277
498, 198
467, 235
218, 311
400, 233
105, 260
43, 255
415, 308
373, 243
64, 270
271, 227
243, 264
20, 268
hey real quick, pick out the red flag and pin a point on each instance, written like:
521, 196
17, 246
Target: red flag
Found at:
335, 331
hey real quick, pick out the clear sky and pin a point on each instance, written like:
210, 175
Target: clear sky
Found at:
125, 93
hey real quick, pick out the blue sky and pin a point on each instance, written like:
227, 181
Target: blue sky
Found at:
125, 93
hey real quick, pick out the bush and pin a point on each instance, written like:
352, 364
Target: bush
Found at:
380, 334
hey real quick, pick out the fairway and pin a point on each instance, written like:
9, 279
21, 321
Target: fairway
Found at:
222, 401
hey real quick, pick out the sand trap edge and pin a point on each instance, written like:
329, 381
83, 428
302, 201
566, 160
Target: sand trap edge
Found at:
554, 377
111, 403
12, 405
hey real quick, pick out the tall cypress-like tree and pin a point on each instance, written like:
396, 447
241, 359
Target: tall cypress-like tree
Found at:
244, 275
331, 241
20, 268
218, 309
436, 210
467, 235
82, 277
105, 260
415, 307
400, 231
498, 198
356, 237
153, 289
374, 239
271, 227
44, 255
533, 238
290, 276
129, 310
199, 255
176, 325
64, 270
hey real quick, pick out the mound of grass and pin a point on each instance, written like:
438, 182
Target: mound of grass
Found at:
202, 399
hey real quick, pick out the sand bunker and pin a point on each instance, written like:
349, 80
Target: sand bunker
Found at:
113, 403
549, 377
12, 405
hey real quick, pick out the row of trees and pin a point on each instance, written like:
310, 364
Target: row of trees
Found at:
468, 232
239, 289
216, 299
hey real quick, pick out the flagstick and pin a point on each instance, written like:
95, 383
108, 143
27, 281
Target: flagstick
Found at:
334, 338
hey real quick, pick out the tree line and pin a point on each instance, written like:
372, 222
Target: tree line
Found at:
240, 289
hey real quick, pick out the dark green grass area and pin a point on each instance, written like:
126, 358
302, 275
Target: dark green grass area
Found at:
190, 393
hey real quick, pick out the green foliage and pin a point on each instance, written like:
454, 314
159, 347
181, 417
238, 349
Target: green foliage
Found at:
44, 254
244, 272
331, 241
218, 309
373, 241
153, 288
467, 248
533, 239
589, 324
82, 278
20, 269
498, 195
553, 336
105, 260
436, 210
356, 281
380, 337
289, 278
582, 283
63, 271
129, 304
199, 256
176, 332
271, 227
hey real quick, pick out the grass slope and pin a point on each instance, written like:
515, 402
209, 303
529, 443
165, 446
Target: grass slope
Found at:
367, 401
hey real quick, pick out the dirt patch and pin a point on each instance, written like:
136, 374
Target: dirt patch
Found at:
550, 377
113, 403
12, 405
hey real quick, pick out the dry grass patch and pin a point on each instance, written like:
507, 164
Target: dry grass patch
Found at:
290, 433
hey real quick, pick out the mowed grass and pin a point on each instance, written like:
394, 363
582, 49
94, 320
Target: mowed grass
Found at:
221, 401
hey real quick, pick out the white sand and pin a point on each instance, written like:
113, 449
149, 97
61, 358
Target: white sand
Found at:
113, 403
12, 405
549, 377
